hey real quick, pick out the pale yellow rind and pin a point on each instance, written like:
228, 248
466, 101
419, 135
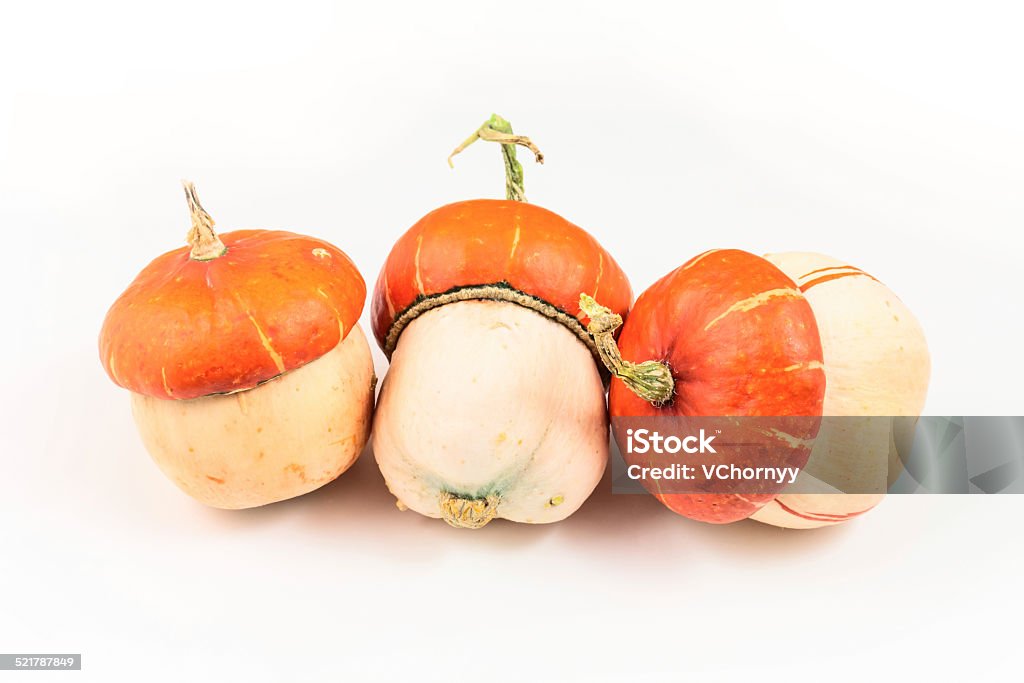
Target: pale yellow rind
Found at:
876, 365
282, 439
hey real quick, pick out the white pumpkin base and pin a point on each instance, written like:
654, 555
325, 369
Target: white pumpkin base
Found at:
491, 409
279, 440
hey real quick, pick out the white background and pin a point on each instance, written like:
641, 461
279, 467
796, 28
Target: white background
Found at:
888, 134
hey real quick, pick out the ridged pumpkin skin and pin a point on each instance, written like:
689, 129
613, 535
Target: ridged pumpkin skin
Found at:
274, 302
740, 340
494, 241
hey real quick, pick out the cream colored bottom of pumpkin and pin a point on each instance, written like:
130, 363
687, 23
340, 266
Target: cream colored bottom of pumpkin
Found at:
876, 366
851, 454
279, 440
487, 398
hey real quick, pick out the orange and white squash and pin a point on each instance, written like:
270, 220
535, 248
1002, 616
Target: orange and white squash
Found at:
493, 405
731, 334
727, 334
251, 381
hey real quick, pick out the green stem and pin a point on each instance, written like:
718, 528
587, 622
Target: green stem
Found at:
650, 380
497, 129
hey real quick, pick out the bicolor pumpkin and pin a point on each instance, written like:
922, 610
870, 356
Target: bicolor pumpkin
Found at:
731, 334
250, 378
493, 405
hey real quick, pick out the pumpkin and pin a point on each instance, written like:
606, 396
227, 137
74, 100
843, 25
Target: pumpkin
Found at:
796, 334
877, 368
493, 405
725, 334
250, 379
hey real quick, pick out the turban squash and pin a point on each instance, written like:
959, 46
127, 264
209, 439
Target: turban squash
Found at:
770, 340
493, 405
250, 379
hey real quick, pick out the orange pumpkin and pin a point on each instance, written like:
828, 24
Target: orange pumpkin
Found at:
727, 334
493, 405
211, 331
500, 250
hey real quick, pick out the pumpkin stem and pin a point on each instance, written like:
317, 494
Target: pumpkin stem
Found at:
202, 237
650, 380
468, 513
497, 129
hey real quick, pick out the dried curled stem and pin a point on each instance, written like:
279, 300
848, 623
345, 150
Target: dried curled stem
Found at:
650, 380
497, 129
468, 513
202, 237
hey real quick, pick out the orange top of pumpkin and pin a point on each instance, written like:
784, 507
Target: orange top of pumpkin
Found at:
272, 302
481, 248
738, 335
